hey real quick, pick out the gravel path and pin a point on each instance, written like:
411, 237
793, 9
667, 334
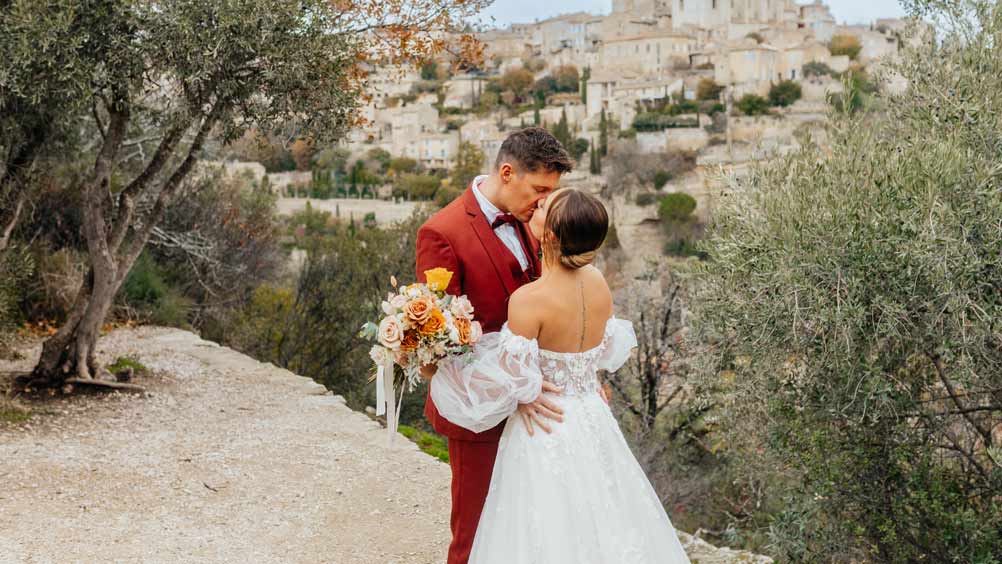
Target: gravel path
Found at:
225, 459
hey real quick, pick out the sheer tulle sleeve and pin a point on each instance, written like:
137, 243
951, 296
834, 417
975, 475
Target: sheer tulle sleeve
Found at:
479, 390
618, 344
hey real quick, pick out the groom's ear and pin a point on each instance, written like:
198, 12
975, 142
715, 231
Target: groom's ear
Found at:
506, 171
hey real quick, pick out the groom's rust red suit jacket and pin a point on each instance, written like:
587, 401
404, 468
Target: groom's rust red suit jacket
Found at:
459, 239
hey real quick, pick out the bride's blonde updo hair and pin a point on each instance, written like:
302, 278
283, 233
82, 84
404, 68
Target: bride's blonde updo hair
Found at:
575, 228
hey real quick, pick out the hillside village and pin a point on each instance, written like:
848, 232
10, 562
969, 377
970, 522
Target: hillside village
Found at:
643, 58
727, 82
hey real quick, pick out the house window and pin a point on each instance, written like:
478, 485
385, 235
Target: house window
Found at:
793, 74
714, 4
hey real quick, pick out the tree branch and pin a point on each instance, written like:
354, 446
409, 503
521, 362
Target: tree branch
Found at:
962, 409
8, 230
170, 187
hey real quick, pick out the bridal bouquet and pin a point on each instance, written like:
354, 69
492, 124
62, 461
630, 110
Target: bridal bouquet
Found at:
421, 325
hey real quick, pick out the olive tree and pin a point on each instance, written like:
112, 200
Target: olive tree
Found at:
855, 292
155, 79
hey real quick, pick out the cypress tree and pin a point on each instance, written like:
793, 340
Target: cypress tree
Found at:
603, 135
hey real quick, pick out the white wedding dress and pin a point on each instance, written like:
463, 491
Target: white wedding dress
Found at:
576, 496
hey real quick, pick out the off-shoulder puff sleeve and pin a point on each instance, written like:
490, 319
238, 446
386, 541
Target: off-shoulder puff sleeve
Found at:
618, 344
479, 390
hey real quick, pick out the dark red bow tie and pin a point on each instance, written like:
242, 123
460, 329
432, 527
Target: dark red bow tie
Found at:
503, 219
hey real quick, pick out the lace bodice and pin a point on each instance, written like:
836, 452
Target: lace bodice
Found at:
479, 390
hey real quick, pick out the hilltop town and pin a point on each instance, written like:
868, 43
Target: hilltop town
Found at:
723, 83
655, 70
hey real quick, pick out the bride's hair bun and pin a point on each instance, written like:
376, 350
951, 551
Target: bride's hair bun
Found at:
579, 223
577, 261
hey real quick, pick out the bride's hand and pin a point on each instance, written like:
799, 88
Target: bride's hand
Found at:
541, 409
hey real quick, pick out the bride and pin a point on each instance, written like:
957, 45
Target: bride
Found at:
575, 494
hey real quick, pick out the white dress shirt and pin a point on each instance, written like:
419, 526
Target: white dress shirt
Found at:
506, 232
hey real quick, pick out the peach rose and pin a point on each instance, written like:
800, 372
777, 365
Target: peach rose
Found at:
419, 310
435, 323
390, 333
409, 342
464, 326
461, 307
476, 331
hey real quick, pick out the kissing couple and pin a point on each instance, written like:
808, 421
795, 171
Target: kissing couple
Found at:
541, 473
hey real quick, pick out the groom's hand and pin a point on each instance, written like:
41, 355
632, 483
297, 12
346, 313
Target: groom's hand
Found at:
428, 370
541, 409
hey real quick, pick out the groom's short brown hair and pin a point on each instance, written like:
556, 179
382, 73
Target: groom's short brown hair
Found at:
534, 149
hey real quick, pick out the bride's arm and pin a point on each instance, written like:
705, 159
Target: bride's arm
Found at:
524, 319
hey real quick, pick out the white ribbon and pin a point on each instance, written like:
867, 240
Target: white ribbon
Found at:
386, 403
380, 392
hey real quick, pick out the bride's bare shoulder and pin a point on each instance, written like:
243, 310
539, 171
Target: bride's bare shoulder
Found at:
526, 309
527, 296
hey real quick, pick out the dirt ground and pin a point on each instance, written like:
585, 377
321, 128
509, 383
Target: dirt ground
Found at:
224, 459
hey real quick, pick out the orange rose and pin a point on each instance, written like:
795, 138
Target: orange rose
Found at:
435, 323
419, 310
463, 325
409, 342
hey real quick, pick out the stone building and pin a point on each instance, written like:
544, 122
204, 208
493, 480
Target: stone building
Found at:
654, 54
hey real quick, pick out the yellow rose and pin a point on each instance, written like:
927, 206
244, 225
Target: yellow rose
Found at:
438, 279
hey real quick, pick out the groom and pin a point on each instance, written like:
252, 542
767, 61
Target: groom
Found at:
482, 238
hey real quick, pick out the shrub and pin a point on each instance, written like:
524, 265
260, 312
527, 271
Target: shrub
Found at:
784, 93
429, 71
342, 279
815, 68
418, 186
858, 90
213, 248
566, 79
753, 105
16, 268
854, 292
661, 178
518, 81
578, 148
707, 89
651, 121
124, 363
148, 297
402, 165
676, 207
845, 45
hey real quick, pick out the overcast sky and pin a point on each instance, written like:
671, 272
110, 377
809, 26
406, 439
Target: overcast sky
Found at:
506, 12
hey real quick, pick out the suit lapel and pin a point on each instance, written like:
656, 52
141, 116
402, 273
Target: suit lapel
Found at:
532, 247
496, 250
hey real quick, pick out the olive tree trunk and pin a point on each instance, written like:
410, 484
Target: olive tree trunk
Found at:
116, 235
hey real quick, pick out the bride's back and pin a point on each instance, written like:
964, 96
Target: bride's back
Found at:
567, 309
572, 311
